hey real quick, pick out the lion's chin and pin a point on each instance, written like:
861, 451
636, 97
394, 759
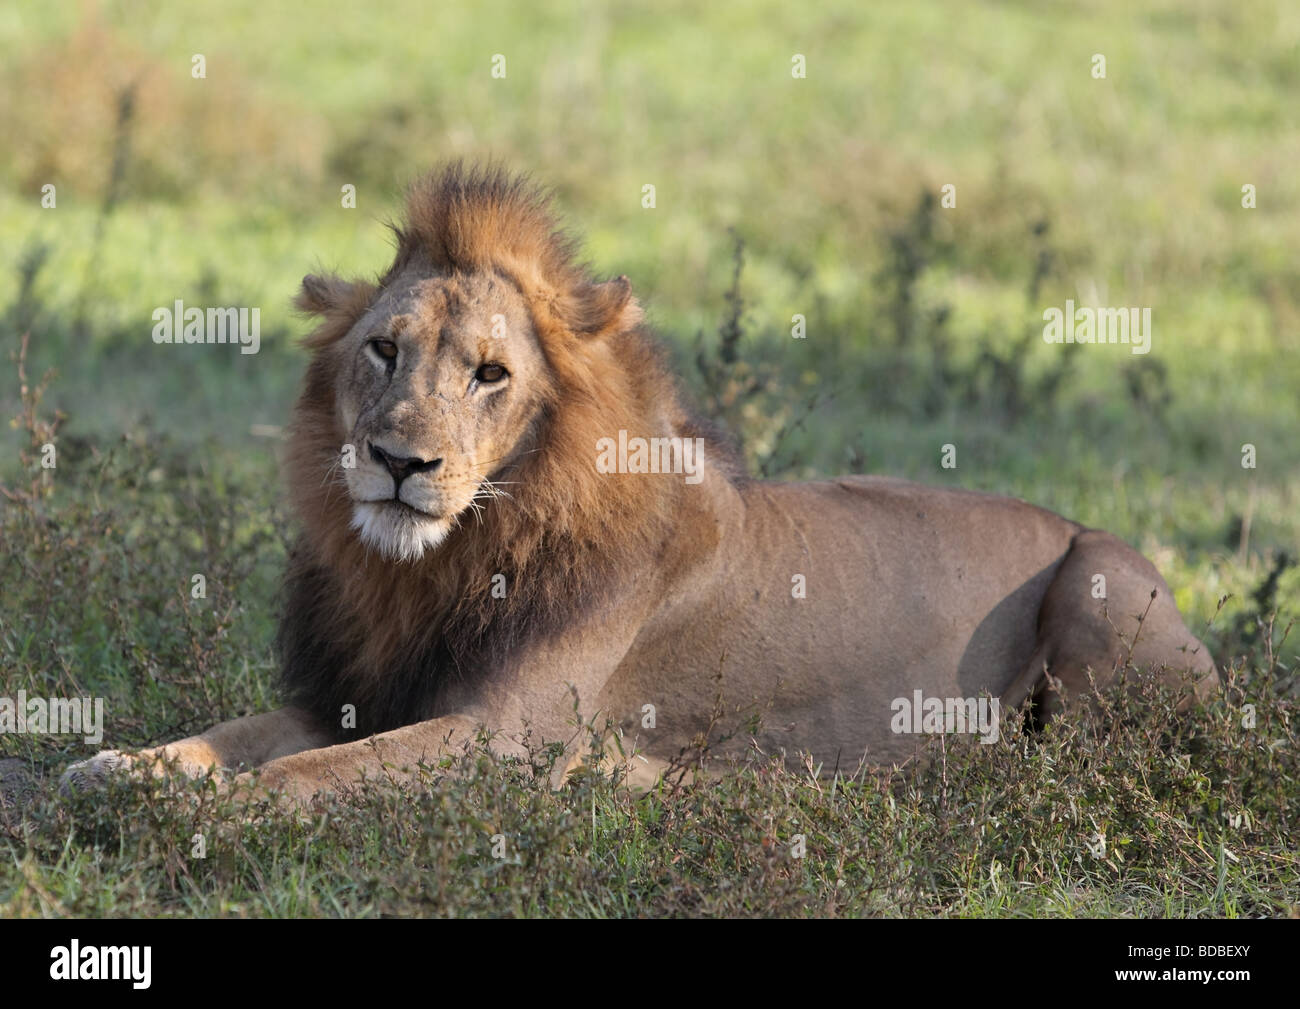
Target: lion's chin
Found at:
399, 534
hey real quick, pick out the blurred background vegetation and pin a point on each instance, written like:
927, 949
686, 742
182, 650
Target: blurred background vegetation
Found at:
775, 196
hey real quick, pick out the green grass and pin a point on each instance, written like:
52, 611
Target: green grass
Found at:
921, 331
1139, 812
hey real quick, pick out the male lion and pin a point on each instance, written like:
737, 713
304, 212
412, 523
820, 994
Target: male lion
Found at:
467, 561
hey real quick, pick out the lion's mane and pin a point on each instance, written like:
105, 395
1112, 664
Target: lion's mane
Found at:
392, 638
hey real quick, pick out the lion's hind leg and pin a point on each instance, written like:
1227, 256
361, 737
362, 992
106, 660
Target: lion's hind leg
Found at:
1107, 609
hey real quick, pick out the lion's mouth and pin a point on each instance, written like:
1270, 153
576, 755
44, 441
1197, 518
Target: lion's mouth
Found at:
410, 509
400, 507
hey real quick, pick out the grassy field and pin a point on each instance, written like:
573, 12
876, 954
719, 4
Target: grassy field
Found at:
775, 196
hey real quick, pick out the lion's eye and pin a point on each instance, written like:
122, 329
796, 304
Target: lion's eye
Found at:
386, 349
489, 373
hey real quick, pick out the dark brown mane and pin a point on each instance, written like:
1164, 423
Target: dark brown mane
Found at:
390, 638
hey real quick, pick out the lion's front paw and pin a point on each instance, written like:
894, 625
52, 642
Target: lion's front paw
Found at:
188, 758
94, 772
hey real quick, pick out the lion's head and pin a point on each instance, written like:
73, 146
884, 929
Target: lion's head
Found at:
444, 373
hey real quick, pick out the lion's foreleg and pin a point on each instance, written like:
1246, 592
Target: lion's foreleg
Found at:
392, 756
239, 744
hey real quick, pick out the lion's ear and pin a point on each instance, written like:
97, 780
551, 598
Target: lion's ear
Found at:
604, 309
319, 295
340, 302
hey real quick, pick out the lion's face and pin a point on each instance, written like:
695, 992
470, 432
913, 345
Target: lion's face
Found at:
440, 384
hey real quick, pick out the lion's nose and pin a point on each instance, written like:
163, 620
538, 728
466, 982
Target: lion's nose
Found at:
400, 467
